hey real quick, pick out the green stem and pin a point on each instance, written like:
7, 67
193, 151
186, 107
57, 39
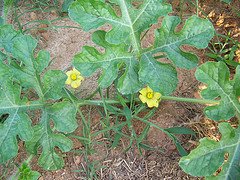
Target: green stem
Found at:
197, 7
190, 100
181, 8
164, 98
96, 102
106, 120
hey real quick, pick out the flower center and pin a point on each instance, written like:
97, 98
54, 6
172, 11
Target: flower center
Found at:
150, 95
73, 77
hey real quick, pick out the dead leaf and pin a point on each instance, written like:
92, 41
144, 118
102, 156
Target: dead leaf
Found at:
42, 28
220, 20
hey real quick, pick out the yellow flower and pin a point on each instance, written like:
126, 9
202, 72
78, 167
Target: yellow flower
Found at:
147, 95
74, 78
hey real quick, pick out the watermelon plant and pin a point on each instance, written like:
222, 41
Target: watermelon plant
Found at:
43, 121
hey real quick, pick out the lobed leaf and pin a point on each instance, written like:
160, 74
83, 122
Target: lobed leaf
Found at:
143, 68
53, 81
17, 123
209, 156
219, 86
196, 32
161, 77
31, 68
91, 14
22, 50
111, 62
23, 69
63, 115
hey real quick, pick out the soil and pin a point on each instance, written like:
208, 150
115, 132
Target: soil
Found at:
115, 163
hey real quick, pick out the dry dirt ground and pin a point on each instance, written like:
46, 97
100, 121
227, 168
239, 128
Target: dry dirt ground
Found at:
161, 163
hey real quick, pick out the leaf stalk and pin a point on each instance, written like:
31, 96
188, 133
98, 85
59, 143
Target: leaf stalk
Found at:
164, 98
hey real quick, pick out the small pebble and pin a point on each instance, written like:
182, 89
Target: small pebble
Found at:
77, 160
33, 16
45, 35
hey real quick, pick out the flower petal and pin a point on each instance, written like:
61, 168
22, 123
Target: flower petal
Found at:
143, 91
152, 103
68, 81
143, 98
149, 89
75, 84
76, 71
157, 95
80, 78
68, 73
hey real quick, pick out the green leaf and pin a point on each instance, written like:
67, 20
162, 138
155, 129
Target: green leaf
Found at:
227, 1
196, 32
42, 61
17, 122
27, 73
1, 21
161, 77
144, 134
179, 147
117, 137
53, 82
21, 73
180, 130
7, 35
63, 116
114, 59
25, 173
49, 158
91, 14
5, 72
216, 75
23, 48
236, 81
27, 70
2, 56
66, 5
129, 82
208, 157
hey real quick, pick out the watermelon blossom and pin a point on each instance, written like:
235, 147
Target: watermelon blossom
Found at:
74, 78
147, 95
